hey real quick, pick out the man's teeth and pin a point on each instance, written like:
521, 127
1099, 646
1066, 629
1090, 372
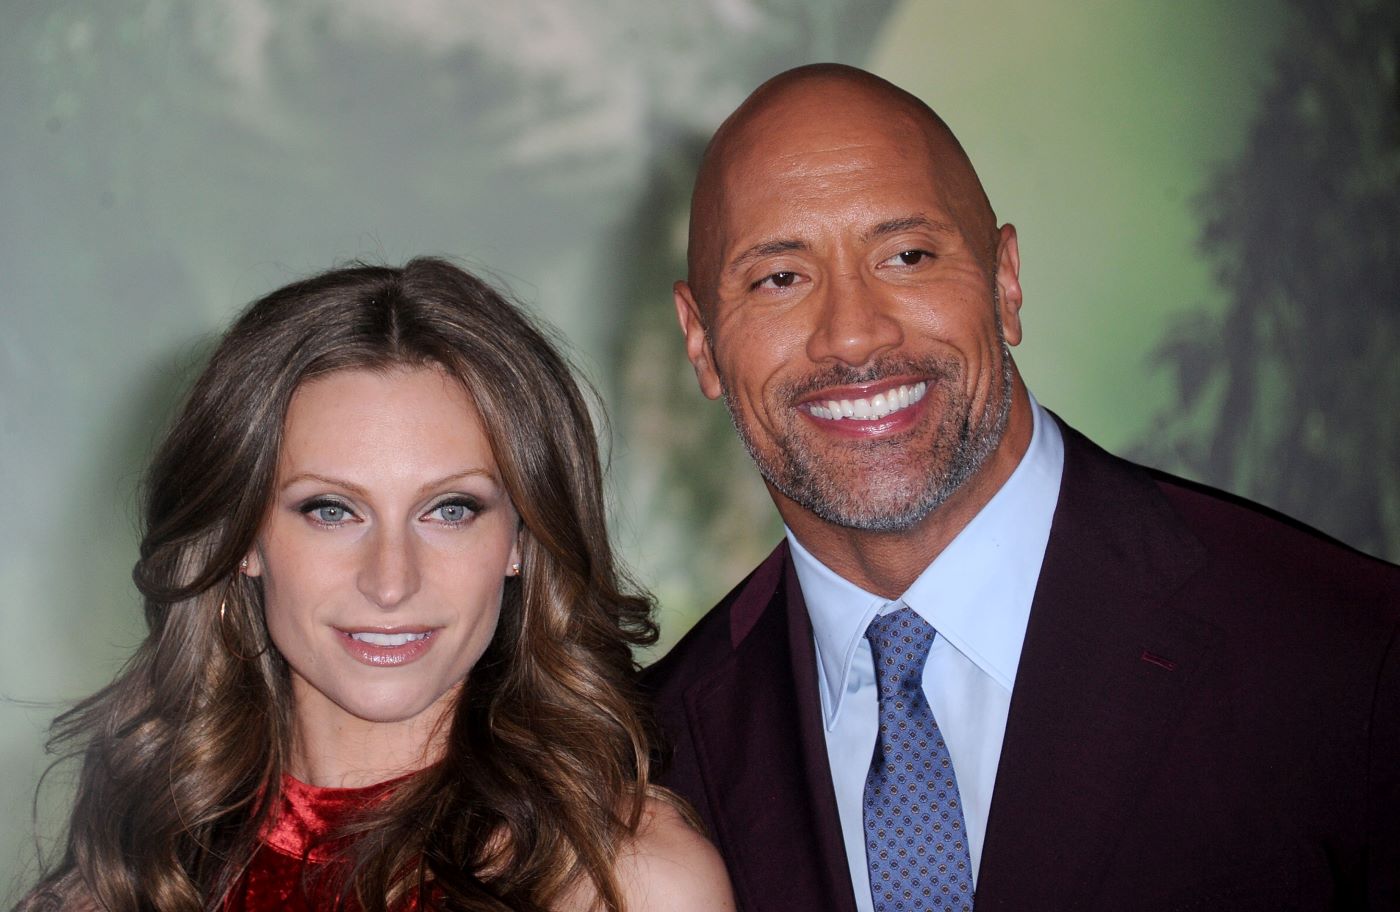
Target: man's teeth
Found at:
877, 406
388, 639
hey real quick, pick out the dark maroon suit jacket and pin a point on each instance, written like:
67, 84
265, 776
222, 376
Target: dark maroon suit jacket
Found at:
1206, 716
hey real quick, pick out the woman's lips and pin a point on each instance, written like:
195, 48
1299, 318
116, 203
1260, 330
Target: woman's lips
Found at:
387, 648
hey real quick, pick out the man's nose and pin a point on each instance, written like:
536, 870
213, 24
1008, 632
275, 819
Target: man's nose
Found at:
854, 323
390, 572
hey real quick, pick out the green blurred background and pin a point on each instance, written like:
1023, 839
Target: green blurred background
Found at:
1206, 195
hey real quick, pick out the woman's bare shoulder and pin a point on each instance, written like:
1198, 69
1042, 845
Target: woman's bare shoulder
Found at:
670, 867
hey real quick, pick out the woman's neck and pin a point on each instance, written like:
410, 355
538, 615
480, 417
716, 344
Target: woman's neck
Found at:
334, 749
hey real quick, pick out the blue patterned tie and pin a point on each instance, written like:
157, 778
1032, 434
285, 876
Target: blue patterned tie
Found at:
915, 837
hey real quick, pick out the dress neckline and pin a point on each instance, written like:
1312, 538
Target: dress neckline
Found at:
308, 814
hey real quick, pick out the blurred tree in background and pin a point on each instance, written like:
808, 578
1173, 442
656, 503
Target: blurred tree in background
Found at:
702, 515
1287, 396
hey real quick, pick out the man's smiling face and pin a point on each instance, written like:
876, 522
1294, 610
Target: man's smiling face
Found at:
855, 308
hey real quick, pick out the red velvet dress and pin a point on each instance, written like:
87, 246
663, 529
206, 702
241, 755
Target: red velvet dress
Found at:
295, 844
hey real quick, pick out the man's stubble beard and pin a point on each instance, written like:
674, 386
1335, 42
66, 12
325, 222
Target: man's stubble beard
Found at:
894, 501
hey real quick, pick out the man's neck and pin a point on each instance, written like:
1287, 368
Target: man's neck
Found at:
887, 563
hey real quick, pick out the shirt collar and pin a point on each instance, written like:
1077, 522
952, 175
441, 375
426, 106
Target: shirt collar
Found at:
977, 593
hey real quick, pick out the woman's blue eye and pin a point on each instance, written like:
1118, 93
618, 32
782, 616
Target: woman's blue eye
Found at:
329, 513
454, 511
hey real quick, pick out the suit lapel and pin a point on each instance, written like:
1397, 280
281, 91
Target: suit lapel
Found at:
756, 722
1104, 674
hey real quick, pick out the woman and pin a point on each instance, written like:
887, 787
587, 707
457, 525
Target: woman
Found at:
389, 657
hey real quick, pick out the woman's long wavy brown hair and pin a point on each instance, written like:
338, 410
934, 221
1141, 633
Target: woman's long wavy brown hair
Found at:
545, 770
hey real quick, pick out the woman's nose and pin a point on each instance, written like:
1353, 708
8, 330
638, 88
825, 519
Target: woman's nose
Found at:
390, 573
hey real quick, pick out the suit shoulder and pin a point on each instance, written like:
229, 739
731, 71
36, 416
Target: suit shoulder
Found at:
1241, 540
706, 644
710, 642
1263, 547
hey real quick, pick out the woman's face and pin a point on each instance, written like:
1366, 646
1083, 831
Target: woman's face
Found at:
385, 551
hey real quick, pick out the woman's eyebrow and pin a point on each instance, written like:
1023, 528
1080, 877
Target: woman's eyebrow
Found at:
360, 491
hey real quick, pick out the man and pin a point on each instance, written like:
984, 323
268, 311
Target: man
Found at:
990, 656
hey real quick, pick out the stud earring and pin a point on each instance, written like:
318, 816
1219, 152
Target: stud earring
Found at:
243, 565
515, 569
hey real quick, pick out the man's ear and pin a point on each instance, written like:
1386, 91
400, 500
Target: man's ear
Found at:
697, 343
1008, 279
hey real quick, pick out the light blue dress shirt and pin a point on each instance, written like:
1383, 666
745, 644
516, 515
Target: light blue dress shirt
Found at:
977, 595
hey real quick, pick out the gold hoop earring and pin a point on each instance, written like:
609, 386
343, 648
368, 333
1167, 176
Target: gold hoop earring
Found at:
224, 636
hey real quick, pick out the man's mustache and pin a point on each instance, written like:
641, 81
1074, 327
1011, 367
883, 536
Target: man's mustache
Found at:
933, 370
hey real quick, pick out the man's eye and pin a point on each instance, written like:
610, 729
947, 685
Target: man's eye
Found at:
910, 257
777, 280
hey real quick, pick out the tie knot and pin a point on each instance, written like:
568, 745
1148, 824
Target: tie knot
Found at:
899, 643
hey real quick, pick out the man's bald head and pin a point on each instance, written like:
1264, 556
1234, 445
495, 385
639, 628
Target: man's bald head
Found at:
853, 302
825, 105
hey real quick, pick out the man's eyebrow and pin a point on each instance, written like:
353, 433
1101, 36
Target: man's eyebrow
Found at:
892, 226
761, 250
907, 223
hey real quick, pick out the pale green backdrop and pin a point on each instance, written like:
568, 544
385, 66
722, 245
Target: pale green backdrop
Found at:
164, 162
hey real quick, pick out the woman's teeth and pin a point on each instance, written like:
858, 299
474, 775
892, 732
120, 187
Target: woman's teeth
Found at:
388, 639
877, 406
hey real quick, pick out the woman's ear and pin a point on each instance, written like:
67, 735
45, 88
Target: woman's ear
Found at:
251, 565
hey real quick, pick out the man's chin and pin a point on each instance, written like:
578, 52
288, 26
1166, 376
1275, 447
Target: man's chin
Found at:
873, 506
